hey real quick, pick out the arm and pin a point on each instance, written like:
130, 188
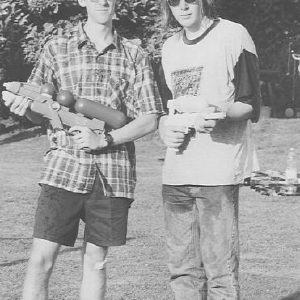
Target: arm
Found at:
173, 136
240, 111
144, 107
247, 89
136, 129
42, 73
86, 138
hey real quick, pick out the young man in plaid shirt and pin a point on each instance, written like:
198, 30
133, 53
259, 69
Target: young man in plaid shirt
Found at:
92, 61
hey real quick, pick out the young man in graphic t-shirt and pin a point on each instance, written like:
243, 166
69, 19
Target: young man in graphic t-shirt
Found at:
211, 62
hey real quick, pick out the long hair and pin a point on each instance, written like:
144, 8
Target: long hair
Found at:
169, 21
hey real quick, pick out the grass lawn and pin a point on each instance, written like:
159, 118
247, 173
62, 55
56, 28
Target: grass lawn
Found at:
269, 225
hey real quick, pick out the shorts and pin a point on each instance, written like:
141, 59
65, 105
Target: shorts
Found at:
59, 212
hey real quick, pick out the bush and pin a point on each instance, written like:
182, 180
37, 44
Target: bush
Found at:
26, 26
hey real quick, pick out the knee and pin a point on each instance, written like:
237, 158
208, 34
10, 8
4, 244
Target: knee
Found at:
95, 258
40, 262
43, 255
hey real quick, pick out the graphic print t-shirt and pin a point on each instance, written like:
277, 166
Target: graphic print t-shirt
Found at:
218, 69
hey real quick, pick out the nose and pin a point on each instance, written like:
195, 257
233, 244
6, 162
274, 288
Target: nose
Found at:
183, 5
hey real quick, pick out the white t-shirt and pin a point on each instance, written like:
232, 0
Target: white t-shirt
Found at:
208, 68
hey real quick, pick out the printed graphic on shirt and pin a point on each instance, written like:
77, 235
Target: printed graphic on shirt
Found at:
186, 81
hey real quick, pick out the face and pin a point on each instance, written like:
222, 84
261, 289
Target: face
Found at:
99, 11
188, 13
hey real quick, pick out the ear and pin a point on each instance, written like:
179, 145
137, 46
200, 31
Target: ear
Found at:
82, 3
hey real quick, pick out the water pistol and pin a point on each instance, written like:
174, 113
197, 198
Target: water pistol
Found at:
183, 111
62, 109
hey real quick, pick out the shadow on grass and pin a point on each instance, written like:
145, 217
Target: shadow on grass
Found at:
21, 135
21, 261
295, 296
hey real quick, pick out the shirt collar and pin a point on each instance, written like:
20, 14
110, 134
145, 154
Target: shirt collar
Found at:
82, 38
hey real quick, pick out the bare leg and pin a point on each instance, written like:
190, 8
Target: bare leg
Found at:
93, 285
40, 265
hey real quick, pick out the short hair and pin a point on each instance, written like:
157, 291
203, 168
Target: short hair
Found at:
169, 21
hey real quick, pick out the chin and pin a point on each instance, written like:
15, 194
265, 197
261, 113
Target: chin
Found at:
102, 21
187, 23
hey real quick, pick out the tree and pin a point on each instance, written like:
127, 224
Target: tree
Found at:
25, 26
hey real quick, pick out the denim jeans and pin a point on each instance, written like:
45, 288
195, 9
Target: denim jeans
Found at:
202, 241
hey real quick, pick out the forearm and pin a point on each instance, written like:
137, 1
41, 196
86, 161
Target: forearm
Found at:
135, 129
161, 125
239, 111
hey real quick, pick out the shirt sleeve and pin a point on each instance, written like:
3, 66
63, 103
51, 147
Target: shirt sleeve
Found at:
163, 88
42, 71
246, 82
146, 95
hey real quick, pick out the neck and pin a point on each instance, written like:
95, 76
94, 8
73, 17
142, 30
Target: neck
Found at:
197, 30
99, 34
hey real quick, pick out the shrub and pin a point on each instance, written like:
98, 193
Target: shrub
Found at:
25, 26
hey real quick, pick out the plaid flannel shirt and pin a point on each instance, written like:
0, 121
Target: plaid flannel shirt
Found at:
119, 77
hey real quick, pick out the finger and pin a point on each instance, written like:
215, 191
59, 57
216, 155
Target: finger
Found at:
176, 135
16, 103
176, 128
8, 98
175, 140
22, 108
79, 142
210, 124
75, 129
210, 109
174, 145
78, 138
83, 146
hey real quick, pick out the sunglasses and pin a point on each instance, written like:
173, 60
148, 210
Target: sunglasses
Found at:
176, 2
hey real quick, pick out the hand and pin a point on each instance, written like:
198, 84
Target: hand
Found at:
86, 139
17, 104
173, 136
204, 126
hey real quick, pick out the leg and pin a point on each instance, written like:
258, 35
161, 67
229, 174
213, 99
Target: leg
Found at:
105, 226
39, 269
93, 285
188, 280
56, 223
218, 207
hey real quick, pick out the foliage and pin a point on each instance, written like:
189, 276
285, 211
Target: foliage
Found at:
25, 26
272, 24
275, 28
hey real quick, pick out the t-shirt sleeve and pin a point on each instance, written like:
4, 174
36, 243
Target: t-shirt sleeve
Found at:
246, 82
163, 88
246, 73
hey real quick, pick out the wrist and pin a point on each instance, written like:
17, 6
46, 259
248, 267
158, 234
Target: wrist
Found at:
108, 140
